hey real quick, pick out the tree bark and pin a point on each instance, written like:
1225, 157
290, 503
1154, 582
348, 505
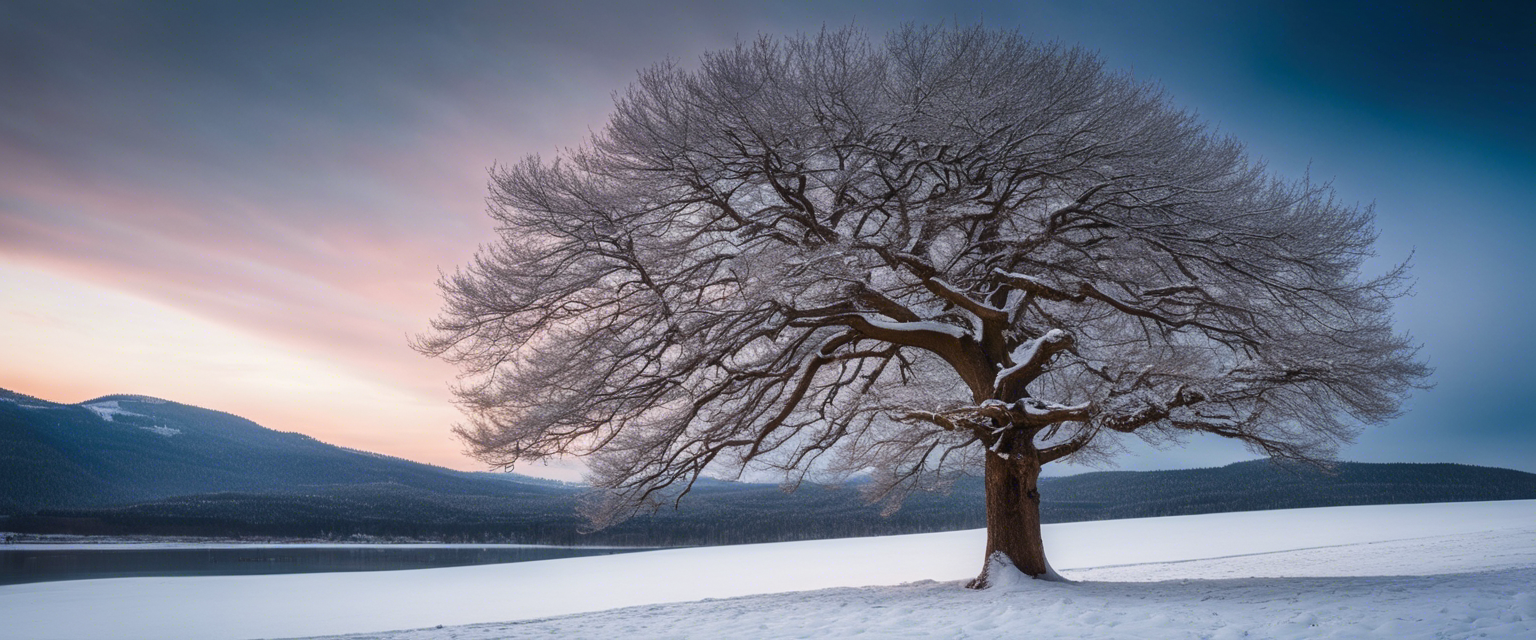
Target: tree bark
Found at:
1013, 515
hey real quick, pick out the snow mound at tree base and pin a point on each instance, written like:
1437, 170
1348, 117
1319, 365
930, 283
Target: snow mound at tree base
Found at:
1003, 574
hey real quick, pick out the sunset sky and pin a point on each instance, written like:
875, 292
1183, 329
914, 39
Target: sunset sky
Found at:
246, 206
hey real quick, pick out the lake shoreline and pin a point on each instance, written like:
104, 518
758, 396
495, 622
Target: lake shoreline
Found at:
28, 563
58, 541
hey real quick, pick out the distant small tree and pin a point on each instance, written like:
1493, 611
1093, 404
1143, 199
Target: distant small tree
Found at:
955, 251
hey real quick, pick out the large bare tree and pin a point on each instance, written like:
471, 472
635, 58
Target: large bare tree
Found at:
951, 251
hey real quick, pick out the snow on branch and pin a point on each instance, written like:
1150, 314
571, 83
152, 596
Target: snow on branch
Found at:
1030, 356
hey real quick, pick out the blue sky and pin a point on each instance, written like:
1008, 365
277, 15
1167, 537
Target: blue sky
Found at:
246, 205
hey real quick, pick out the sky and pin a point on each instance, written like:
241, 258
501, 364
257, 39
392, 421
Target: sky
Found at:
246, 206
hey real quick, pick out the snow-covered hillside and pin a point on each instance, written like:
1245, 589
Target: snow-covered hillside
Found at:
1400, 571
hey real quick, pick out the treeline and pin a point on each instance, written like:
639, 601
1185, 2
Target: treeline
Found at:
732, 513
67, 469
737, 514
1261, 485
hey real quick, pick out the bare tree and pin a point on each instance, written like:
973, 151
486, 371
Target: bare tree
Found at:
953, 251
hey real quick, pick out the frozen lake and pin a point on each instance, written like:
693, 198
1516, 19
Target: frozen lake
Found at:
20, 564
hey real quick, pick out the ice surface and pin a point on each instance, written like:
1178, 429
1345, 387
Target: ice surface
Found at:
1397, 571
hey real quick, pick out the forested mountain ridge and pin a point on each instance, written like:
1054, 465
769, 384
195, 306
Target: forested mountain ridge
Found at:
1261, 484
136, 465
122, 449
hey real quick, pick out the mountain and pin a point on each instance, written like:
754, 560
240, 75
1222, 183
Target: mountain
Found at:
135, 465
123, 449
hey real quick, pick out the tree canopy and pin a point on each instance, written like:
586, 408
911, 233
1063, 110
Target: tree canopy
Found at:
826, 254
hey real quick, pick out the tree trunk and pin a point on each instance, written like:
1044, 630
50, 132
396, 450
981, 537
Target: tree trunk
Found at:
1013, 515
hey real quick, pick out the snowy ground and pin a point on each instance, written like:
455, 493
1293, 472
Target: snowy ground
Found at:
1403, 571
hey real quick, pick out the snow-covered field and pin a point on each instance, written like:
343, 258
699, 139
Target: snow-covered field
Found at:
1402, 571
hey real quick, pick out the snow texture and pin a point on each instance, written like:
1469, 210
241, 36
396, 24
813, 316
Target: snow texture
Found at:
23, 404
1025, 353
107, 409
922, 325
1398, 571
